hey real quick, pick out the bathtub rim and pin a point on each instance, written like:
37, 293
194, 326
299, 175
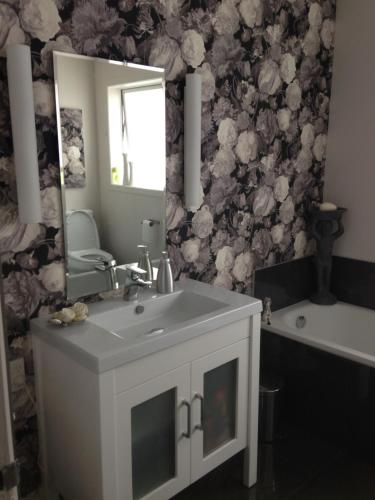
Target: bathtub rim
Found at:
322, 345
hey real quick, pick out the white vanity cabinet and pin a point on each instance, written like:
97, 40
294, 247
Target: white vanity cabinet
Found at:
148, 428
182, 424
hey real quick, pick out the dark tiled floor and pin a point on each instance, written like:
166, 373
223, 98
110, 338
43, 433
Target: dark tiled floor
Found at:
297, 467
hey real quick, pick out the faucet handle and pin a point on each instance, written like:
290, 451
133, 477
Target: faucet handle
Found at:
267, 301
135, 269
104, 265
267, 312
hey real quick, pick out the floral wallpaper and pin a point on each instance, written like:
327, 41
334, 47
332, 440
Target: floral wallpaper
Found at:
266, 71
73, 150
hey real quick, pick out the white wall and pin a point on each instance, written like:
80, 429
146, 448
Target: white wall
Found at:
76, 84
350, 168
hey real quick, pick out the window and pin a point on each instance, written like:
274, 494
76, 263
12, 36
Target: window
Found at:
142, 162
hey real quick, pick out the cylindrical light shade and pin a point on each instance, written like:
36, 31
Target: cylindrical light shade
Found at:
192, 142
24, 133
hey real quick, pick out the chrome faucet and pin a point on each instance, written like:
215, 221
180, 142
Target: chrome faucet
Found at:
110, 268
134, 281
267, 312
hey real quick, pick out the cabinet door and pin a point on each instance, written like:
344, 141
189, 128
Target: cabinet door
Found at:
219, 407
153, 445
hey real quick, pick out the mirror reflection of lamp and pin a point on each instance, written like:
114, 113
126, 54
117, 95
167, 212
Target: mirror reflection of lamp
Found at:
22, 114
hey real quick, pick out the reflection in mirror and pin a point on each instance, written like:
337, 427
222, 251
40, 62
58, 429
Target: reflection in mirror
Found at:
111, 128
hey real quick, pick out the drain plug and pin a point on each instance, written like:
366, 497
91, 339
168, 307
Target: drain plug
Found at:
155, 331
139, 309
300, 321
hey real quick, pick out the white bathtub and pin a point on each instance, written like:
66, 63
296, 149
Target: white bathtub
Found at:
345, 330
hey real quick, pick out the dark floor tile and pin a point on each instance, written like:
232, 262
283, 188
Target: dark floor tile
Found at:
285, 467
223, 483
293, 461
346, 479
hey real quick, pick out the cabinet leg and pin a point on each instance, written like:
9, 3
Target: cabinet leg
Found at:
251, 451
249, 469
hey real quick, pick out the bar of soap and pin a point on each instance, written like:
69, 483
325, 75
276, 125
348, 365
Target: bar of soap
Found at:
327, 206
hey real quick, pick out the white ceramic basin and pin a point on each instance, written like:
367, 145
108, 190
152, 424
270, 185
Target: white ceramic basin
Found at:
118, 332
156, 315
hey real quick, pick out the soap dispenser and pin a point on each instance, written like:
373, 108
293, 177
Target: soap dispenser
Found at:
164, 281
144, 262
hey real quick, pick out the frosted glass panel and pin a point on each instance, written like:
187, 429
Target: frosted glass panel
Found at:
153, 443
219, 409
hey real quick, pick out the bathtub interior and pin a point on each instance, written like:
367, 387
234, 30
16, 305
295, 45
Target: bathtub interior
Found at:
342, 329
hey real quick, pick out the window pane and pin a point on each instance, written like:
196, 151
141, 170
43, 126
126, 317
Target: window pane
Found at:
145, 124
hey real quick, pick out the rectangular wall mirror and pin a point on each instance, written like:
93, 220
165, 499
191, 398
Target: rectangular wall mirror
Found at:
111, 130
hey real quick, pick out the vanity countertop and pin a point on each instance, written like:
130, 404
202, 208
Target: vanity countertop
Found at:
116, 333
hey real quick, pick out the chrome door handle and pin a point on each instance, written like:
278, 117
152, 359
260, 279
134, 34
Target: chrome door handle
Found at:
200, 425
187, 434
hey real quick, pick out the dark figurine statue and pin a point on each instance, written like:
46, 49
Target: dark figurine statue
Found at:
326, 228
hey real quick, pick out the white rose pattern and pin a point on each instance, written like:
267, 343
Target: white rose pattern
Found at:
252, 12
227, 133
288, 68
269, 80
226, 19
247, 146
192, 48
40, 18
52, 277
10, 29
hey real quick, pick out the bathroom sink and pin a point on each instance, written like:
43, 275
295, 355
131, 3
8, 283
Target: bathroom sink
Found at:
117, 332
156, 315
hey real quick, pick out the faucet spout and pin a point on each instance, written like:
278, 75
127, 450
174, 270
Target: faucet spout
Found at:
134, 281
142, 283
267, 312
110, 268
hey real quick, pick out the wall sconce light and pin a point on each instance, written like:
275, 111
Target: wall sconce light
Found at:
192, 142
24, 132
